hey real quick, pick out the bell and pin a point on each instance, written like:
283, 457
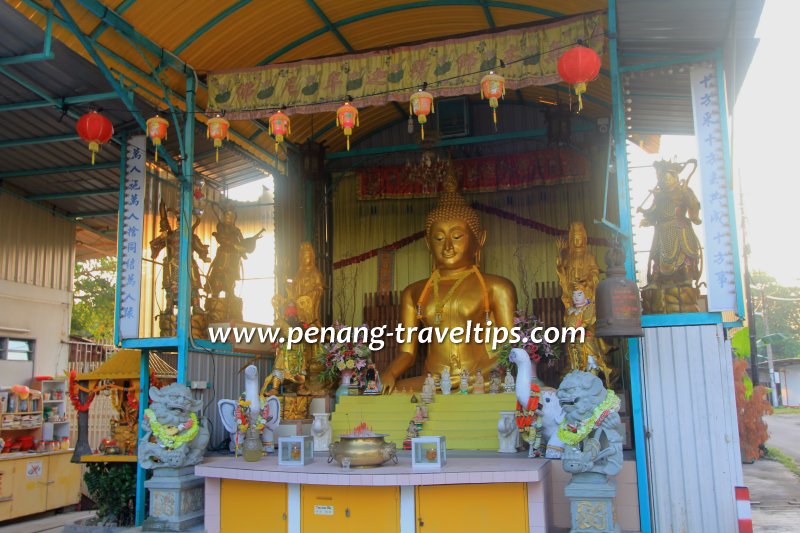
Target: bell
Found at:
619, 307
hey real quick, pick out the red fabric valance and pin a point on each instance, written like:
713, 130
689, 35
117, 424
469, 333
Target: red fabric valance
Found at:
553, 166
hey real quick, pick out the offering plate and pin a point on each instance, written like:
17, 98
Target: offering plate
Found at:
363, 451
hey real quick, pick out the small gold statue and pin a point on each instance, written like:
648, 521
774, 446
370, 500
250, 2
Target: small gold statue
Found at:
676, 257
576, 262
227, 264
591, 354
300, 309
169, 239
456, 292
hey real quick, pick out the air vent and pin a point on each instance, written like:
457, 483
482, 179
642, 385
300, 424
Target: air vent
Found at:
452, 115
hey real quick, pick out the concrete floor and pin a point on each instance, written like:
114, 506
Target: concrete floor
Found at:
774, 490
48, 524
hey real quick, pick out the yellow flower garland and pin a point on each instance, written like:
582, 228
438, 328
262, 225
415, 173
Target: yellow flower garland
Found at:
572, 438
168, 436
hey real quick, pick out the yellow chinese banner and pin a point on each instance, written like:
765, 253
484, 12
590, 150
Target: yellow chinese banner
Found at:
450, 67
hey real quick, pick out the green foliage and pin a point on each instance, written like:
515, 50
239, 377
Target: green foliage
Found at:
94, 299
777, 455
112, 487
783, 316
786, 410
740, 342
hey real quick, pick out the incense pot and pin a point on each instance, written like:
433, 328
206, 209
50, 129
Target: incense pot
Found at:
363, 451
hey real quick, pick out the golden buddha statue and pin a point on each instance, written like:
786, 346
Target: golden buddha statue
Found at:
591, 355
674, 266
575, 262
457, 294
301, 307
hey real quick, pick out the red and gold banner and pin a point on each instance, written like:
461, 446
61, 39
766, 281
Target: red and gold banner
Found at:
450, 67
553, 166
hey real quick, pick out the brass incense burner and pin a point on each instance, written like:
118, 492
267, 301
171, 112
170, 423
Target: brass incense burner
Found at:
363, 452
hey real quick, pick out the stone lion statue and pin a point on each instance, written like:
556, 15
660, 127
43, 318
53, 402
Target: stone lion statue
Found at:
591, 430
173, 435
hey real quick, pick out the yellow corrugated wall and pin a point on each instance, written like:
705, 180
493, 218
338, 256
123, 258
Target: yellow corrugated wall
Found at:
36, 247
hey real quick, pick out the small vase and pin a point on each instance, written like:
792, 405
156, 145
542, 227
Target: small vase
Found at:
252, 449
344, 387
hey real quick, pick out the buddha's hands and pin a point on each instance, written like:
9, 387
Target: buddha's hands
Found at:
388, 382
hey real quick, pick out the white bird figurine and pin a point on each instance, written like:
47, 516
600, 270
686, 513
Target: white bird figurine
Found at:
227, 408
521, 358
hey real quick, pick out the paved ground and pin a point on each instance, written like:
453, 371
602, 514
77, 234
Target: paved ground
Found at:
48, 524
774, 490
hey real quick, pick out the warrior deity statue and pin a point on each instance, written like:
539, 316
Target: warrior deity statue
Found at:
456, 292
675, 262
169, 239
226, 267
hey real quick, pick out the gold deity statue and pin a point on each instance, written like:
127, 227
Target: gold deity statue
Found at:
301, 307
457, 294
575, 262
227, 264
591, 354
169, 239
675, 262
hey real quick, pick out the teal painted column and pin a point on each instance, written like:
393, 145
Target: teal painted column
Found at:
184, 278
625, 225
144, 401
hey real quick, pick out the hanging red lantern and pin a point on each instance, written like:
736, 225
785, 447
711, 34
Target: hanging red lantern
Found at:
95, 129
347, 119
577, 66
217, 130
421, 105
493, 87
157, 131
280, 125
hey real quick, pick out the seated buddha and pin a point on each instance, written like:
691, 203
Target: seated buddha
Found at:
456, 293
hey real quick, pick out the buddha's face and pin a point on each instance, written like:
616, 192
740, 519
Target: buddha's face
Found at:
578, 238
306, 255
453, 245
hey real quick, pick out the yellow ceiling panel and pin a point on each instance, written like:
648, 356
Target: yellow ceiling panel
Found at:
413, 26
324, 45
511, 17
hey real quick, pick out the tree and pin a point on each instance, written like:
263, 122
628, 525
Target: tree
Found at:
94, 299
783, 315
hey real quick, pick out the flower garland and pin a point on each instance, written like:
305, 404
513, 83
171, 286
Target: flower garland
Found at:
74, 394
242, 414
572, 435
169, 437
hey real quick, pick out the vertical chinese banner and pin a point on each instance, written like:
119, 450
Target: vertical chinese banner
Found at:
132, 220
385, 271
718, 256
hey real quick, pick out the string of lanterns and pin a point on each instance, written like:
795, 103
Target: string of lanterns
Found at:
577, 66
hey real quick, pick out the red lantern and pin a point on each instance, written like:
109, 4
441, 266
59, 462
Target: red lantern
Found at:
280, 125
493, 87
217, 130
95, 129
157, 131
577, 66
421, 105
347, 119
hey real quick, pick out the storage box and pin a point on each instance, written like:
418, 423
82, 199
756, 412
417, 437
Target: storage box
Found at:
428, 452
295, 451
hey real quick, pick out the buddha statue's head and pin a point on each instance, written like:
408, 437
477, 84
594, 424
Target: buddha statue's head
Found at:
453, 230
577, 235
307, 255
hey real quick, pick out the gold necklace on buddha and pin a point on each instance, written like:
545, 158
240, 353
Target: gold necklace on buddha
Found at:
439, 306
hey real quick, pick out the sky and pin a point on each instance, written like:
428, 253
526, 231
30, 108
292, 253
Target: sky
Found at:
766, 127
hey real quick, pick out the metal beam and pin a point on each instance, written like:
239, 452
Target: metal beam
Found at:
222, 15
11, 143
523, 134
98, 61
93, 214
403, 7
72, 194
487, 12
56, 170
101, 28
329, 25
61, 103
44, 55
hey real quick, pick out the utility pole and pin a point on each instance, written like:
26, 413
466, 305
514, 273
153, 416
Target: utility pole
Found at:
772, 384
748, 294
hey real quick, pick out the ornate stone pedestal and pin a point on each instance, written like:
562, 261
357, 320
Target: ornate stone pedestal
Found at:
591, 497
176, 500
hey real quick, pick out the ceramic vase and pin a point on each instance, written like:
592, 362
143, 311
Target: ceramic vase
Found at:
344, 386
252, 449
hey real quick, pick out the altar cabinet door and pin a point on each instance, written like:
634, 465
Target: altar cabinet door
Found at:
252, 506
474, 507
334, 508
